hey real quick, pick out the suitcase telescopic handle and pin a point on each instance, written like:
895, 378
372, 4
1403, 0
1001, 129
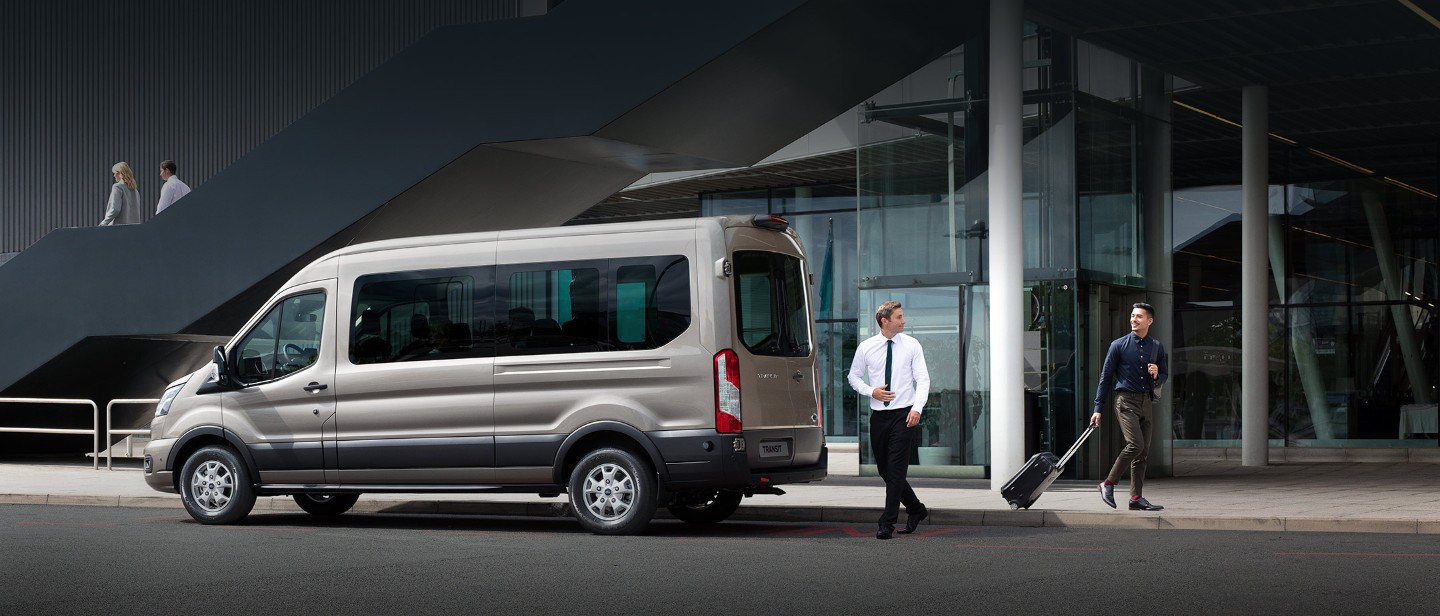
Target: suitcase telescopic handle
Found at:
1076, 447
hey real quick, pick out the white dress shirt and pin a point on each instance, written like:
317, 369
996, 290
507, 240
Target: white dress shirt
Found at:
907, 369
170, 192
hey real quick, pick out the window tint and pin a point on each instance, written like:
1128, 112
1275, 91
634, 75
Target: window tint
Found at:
602, 305
770, 304
286, 339
422, 315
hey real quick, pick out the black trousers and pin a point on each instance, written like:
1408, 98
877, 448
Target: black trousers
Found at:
890, 440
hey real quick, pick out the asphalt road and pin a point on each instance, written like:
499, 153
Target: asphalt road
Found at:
93, 560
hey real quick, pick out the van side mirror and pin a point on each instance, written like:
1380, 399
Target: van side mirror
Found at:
219, 380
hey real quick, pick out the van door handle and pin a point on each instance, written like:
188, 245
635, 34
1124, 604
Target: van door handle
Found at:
314, 387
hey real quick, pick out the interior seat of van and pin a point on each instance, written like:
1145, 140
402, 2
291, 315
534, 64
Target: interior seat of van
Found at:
420, 344
369, 347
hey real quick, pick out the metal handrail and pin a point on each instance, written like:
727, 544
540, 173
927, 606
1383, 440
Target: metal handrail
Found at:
94, 430
130, 432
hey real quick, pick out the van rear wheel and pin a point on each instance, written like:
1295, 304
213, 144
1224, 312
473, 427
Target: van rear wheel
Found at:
705, 507
326, 504
215, 486
613, 492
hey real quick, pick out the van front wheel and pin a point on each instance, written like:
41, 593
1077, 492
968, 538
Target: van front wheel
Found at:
215, 486
612, 492
326, 504
705, 507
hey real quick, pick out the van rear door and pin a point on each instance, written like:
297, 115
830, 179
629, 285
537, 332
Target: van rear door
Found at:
774, 342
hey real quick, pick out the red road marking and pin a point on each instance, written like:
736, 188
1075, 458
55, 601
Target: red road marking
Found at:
1033, 547
1421, 555
65, 524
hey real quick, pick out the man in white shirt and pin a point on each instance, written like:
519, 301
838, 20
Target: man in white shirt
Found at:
172, 189
897, 363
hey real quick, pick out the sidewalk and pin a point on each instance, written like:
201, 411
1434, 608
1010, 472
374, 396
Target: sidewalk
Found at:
1221, 495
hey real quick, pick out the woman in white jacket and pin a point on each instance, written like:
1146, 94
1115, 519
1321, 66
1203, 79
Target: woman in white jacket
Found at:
124, 205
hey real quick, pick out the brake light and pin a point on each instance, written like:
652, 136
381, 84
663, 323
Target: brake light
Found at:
727, 392
770, 221
819, 410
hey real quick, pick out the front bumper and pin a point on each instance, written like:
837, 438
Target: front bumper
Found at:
157, 465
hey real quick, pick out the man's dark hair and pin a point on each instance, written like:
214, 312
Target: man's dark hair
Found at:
168, 165
884, 311
1150, 310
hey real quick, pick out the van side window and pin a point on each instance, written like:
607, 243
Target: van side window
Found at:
286, 339
603, 305
422, 316
770, 306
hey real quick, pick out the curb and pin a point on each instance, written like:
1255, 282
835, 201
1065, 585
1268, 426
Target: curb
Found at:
840, 515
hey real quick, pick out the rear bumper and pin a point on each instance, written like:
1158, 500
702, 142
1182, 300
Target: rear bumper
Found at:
707, 460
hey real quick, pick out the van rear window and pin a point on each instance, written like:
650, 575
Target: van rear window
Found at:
770, 304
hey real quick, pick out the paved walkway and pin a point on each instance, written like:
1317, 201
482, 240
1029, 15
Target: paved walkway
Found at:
1347, 497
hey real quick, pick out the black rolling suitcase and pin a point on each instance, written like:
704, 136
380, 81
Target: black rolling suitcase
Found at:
1038, 473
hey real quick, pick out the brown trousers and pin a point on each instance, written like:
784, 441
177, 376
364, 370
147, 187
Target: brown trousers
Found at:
1135, 412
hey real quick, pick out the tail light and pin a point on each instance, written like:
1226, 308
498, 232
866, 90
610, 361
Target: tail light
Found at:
727, 392
819, 407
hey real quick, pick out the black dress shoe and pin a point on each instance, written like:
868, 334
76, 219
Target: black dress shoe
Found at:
1107, 494
1140, 504
885, 532
913, 521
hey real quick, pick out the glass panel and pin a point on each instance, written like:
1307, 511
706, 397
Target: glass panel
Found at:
830, 247
840, 404
1104, 73
742, 203
264, 355
956, 424
771, 304
825, 198
1049, 192
975, 378
1050, 366
420, 315
1110, 246
1205, 377
919, 196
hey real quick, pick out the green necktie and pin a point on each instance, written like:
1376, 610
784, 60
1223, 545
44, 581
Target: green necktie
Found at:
889, 355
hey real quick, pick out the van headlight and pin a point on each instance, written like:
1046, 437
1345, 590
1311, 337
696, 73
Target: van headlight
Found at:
163, 407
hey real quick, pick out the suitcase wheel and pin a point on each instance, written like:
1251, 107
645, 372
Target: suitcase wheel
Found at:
1014, 505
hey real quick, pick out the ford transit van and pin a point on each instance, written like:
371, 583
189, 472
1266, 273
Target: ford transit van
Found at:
632, 366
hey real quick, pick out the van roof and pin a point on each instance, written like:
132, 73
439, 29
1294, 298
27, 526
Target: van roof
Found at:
543, 232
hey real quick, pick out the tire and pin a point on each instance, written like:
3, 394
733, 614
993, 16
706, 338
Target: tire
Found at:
705, 507
326, 504
215, 486
613, 492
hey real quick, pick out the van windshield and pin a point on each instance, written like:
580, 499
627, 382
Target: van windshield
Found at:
770, 304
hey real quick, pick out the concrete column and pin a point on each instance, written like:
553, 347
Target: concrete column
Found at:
1156, 209
1254, 288
1007, 255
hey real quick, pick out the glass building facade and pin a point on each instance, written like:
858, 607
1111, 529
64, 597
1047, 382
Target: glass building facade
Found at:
1353, 334
1352, 316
